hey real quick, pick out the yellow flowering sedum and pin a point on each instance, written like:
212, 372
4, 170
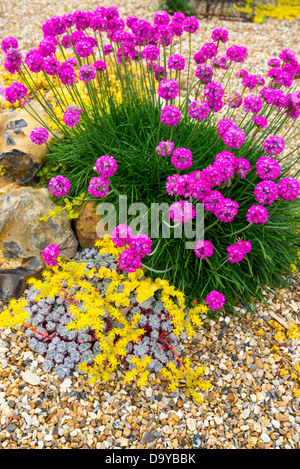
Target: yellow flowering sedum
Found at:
87, 308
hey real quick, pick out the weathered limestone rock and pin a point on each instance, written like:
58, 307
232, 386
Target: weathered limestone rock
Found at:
20, 157
7, 184
85, 226
23, 237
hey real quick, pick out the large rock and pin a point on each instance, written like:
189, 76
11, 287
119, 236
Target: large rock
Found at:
85, 226
23, 237
20, 157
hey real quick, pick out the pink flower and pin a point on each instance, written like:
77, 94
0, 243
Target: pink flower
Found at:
257, 214
121, 235
59, 186
182, 212
215, 300
50, 254
204, 249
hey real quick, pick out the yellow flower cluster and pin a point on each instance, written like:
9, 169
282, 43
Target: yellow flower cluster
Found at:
284, 9
188, 375
87, 308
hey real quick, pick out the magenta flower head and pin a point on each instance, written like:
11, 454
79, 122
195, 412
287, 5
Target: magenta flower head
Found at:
226, 155
51, 65
274, 63
168, 89
182, 158
50, 254
235, 253
98, 186
190, 24
268, 168
287, 55
170, 115
211, 201
161, 17
84, 48
199, 110
107, 49
199, 57
234, 137
219, 34
250, 81
141, 244
215, 300
71, 118
47, 46
243, 167
204, 249
182, 212
67, 75
204, 74
98, 23
260, 121
237, 53
274, 145
121, 235
288, 188
266, 192
9, 43
34, 61
226, 210
257, 214
39, 135
59, 186
179, 17
150, 52
129, 260
106, 166
100, 65
253, 103
15, 92
87, 73
165, 148
224, 125
176, 62
209, 49
176, 28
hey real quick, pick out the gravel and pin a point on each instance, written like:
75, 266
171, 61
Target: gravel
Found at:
251, 403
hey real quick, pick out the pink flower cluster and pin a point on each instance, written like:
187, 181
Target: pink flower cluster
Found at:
139, 246
237, 251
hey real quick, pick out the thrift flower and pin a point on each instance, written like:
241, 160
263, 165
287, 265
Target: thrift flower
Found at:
170, 115
219, 34
268, 168
39, 135
274, 145
106, 166
257, 214
204, 249
129, 260
59, 186
168, 89
288, 188
98, 186
266, 192
121, 235
50, 254
71, 118
182, 212
215, 300
182, 158
141, 244
165, 148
